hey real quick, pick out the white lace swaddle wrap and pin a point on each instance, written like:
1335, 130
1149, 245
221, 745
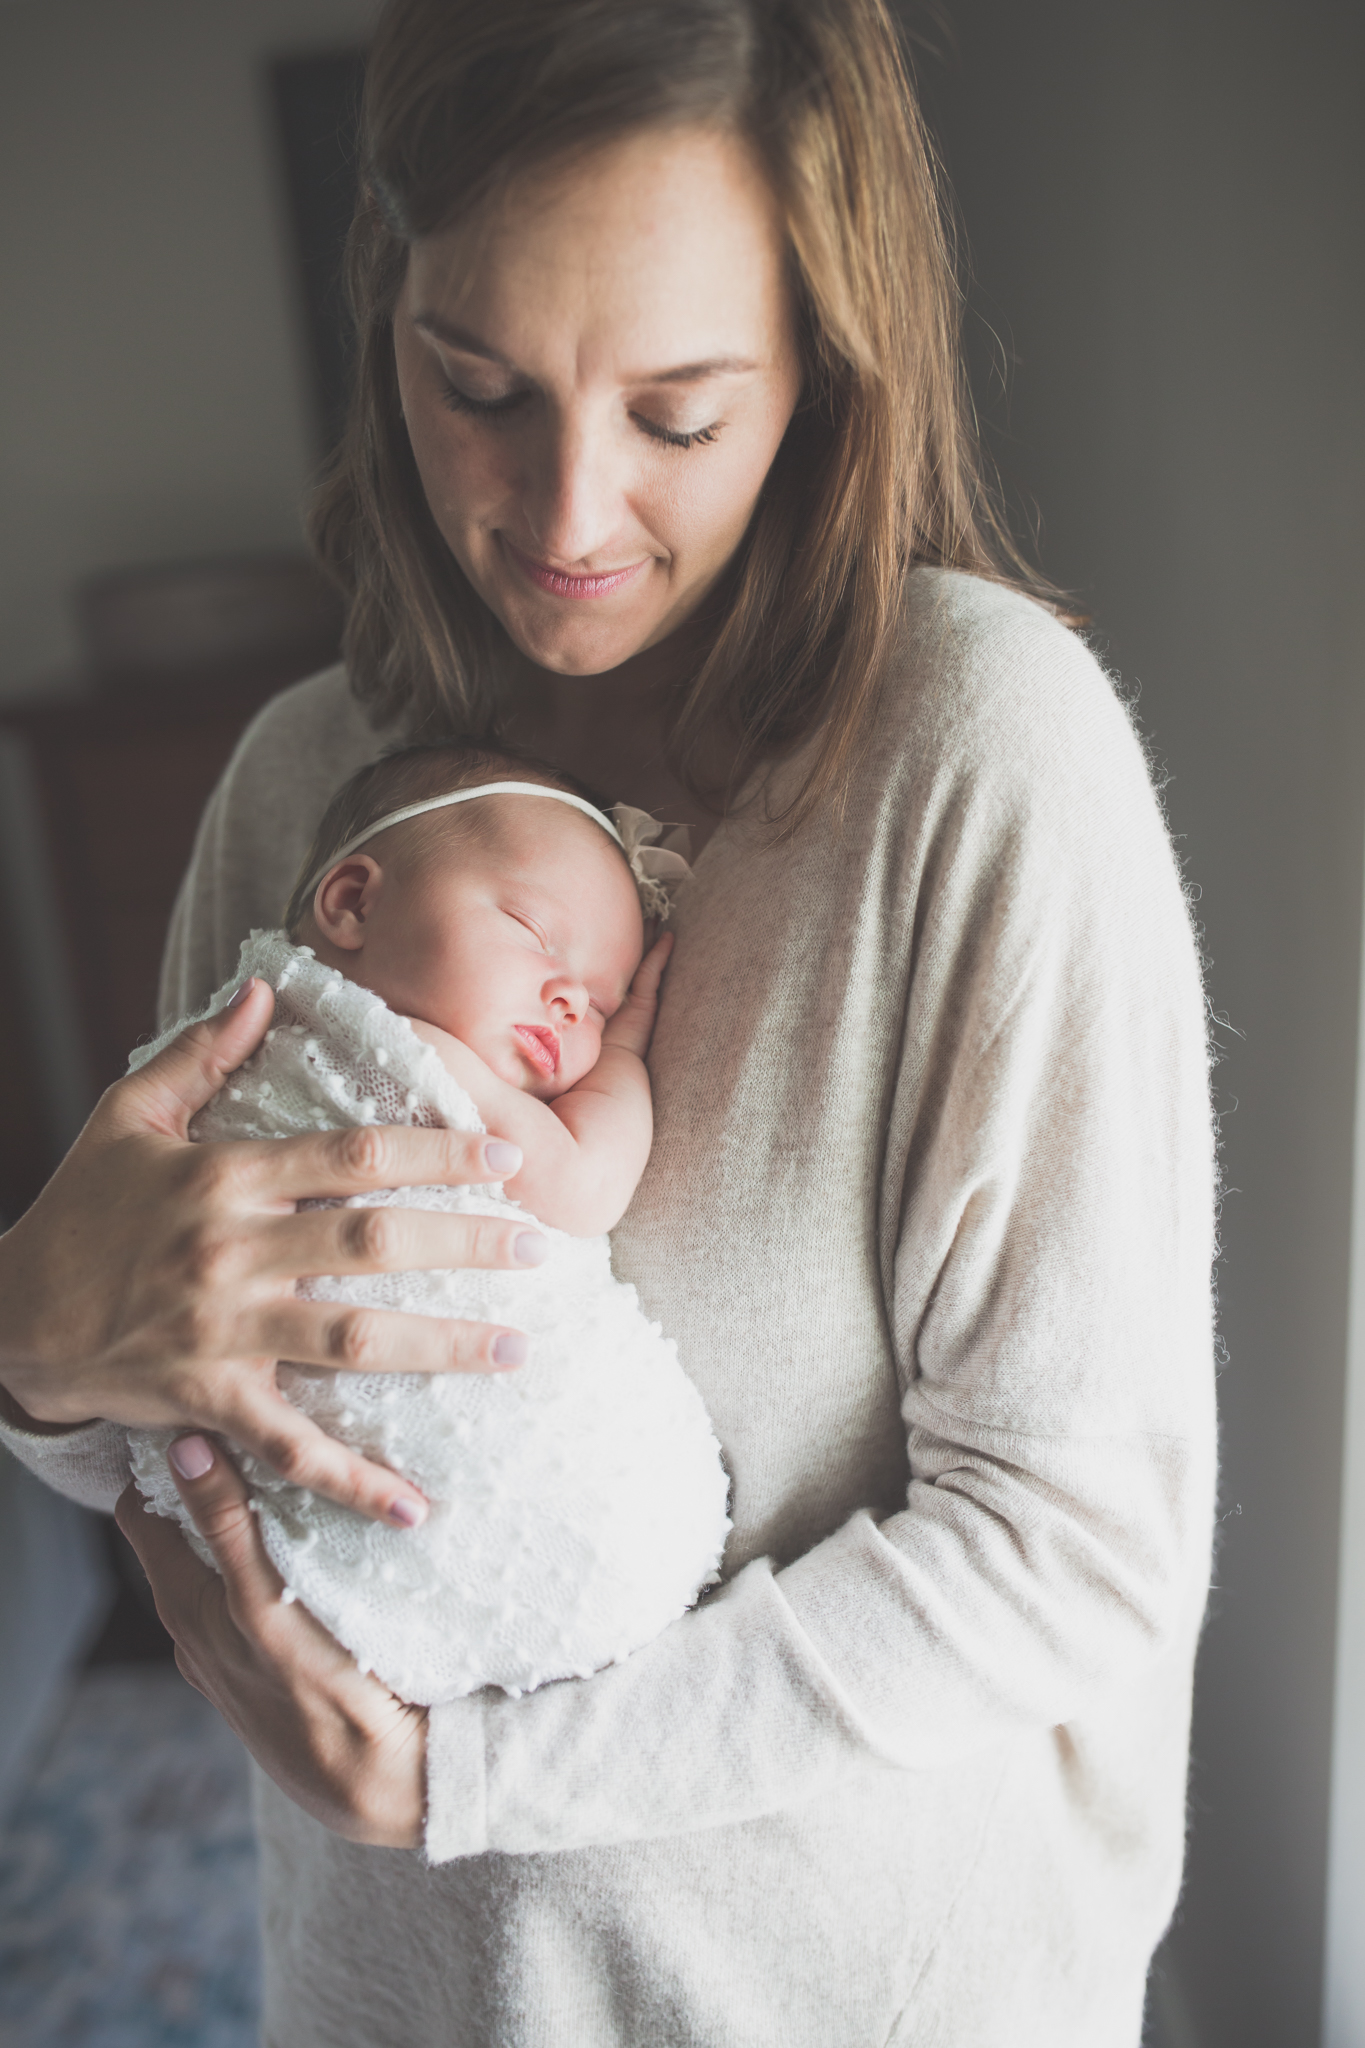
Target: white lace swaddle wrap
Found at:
578, 1504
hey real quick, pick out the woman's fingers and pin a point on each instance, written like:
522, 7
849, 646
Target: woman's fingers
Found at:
337, 1743
180, 1584
215, 1493
351, 1339
338, 1241
292, 1445
218, 1619
152, 1283
164, 1095
356, 1161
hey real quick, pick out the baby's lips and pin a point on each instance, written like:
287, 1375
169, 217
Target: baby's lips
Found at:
541, 1042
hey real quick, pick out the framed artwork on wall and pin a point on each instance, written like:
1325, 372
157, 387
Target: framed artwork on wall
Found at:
316, 100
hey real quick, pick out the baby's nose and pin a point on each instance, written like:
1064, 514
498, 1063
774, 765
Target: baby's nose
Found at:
569, 1001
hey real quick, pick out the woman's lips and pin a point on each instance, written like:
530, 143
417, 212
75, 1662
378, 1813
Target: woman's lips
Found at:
559, 583
540, 1045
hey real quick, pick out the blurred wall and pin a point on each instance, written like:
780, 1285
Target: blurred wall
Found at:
154, 403
1163, 205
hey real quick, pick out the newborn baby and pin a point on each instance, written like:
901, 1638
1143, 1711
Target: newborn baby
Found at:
463, 949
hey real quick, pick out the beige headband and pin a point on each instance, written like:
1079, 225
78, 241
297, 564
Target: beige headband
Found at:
467, 796
654, 868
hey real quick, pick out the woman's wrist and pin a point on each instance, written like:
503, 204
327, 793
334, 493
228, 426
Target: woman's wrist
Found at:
15, 1417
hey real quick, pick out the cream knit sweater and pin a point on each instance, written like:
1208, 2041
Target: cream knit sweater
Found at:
930, 1216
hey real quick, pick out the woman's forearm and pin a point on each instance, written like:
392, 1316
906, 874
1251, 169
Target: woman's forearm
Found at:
17, 1418
961, 1623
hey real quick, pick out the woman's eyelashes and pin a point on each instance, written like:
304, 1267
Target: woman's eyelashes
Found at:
701, 437
499, 408
481, 408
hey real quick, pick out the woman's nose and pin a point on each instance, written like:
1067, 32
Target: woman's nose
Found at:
572, 493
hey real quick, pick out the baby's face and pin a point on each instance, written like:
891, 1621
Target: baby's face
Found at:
520, 944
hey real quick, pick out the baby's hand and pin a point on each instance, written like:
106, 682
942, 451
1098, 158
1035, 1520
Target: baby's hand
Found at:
633, 1025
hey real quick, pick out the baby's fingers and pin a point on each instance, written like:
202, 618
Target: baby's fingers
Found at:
650, 972
633, 1025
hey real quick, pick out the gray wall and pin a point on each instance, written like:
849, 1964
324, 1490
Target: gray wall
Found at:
154, 403
1163, 205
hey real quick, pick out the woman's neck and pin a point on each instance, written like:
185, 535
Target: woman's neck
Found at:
611, 730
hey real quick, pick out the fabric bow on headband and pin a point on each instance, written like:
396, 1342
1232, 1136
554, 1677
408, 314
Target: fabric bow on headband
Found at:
658, 869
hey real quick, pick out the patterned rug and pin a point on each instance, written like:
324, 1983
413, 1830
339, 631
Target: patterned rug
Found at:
128, 1877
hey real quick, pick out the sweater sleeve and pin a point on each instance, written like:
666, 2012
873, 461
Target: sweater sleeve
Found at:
88, 1465
1046, 1220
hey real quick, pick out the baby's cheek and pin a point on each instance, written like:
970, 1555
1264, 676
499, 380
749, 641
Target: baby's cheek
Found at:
579, 1054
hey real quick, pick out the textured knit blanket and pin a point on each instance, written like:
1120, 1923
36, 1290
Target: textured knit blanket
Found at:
578, 1504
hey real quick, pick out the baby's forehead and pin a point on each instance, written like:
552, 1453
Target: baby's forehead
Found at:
538, 842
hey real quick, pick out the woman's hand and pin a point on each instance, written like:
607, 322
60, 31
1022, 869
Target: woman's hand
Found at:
340, 1744
152, 1283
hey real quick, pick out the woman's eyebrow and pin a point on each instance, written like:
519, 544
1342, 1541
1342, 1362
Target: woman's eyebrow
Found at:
458, 337
683, 373
695, 373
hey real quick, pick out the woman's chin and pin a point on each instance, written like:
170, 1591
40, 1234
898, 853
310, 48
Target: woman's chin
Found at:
577, 646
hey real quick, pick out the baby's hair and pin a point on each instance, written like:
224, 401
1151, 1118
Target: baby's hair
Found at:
408, 775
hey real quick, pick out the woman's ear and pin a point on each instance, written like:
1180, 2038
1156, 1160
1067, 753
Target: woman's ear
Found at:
344, 899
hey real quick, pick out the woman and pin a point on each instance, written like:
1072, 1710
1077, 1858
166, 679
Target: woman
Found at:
658, 461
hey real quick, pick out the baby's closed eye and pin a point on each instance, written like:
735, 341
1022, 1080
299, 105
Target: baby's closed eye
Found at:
529, 924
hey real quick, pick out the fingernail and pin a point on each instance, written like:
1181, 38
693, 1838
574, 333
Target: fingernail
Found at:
192, 1456
529, 1248
240, 995
502, 1157
408, 1514
510, 1348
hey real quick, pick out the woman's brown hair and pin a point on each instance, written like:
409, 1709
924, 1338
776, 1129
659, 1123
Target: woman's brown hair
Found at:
879, 469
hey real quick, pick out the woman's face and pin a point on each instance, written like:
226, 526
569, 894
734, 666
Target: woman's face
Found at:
595, 378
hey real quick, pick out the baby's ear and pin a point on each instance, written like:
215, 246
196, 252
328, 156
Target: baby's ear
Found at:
344, 899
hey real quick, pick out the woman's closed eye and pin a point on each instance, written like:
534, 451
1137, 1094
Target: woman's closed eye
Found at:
481, 408
499, 408
700, 437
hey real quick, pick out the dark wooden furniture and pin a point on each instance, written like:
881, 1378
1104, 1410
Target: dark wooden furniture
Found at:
121, 778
